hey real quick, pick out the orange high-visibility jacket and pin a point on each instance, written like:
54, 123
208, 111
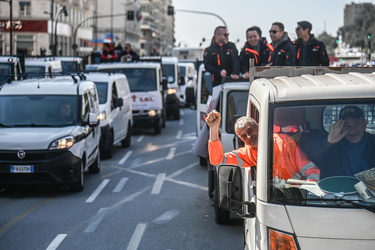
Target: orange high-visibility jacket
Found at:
289, 160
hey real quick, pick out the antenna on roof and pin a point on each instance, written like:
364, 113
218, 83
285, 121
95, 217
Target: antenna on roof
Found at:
74, 79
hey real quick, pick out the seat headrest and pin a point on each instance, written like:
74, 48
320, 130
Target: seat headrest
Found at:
289, 116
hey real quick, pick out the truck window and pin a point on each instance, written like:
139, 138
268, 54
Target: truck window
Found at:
237, 104
141, 79
311, 165
206, 88
169, 71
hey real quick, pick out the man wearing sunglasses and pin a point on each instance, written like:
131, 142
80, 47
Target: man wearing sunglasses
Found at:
283, 53
310, 51
221, 57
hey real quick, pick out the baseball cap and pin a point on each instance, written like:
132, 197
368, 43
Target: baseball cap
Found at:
351, 111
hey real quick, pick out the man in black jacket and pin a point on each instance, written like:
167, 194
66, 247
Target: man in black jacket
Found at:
221, 57
283, 53
310, 51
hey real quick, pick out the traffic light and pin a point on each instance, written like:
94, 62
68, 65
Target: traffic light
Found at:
170, 10
369, 36
130, 15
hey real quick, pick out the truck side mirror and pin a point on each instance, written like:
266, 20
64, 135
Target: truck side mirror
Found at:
119, 102
230, 191
164, 84
93, 119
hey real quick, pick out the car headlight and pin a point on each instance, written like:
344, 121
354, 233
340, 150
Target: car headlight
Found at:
63, 143
172, 91
152, 112
102, 116
281, 240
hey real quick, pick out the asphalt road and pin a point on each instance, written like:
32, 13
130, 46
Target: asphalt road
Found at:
152, 195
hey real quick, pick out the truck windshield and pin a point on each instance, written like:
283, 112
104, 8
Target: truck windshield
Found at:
323, 155
69, 66
169, 71
38, 111
35, 71
141, 79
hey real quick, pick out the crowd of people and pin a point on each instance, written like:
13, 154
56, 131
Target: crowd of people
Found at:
110, 53
222, 59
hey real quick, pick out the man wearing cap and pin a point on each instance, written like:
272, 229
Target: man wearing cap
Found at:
348, 149
310, 51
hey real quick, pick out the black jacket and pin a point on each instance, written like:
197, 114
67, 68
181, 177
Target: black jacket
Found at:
261, 55
313, 53
218, 57
284, 53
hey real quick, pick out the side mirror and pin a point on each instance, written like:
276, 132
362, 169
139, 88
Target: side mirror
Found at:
230, 191
93, 119
164, 84
119, 102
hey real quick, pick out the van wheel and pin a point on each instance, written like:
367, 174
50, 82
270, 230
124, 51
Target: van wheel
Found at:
127, 141
157, 128
95, 167
107, 152
221, 216
77, 186
211, 183
176, 114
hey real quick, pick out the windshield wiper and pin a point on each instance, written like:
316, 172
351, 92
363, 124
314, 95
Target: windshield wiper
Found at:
5, 126
355, 203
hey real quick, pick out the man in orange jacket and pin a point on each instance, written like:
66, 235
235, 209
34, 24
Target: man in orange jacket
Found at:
289, 160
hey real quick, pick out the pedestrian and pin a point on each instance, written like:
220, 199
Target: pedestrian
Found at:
221, 57
254, 48
310, 51
289, 160
284, 53
108, 53
129, 55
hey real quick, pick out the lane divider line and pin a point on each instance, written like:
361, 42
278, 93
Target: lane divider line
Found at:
120, 185
158, 183
166, 217
56, 242
127, 155
97, 191
179, 134
140, 138
137, 236
96, 220
171, 153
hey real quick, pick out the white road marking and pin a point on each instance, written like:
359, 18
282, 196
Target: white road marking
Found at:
179, 134
137, 236
171, 153
96, 220
120, 185
135, 163
140, 138
97, 191
181, 122
158, 183
167, 216
56, 242
127, 155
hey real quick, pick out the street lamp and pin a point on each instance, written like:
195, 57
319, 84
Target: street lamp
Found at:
11, 23
65, 11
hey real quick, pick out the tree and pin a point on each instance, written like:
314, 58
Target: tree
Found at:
356, 34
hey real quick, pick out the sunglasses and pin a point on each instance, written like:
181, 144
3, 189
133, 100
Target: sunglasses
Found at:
224, 34
274, 31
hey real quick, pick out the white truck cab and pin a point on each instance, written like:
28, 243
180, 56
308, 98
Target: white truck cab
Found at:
39, 67
50, 131
148, 92
300, 104
11, 68
188, 83
116, 117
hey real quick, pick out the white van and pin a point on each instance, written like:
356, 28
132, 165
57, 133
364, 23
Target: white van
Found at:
301, 104
50, 131
115, 105
148, 92
71, 63
38, 67
188, 83
11, 67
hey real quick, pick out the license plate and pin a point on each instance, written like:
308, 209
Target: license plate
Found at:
22, 169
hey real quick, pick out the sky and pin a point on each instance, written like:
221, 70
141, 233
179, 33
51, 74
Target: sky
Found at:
191, 28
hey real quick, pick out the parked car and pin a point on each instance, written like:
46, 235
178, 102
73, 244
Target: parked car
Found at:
50, 131
188, 84
115, 105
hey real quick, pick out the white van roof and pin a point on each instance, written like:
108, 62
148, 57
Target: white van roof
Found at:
128, 65
103, 77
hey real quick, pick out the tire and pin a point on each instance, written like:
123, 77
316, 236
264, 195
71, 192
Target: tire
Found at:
221, 216
127, 141
211, 183
108, 151
78, 185
96, 166
176, 114
157, 128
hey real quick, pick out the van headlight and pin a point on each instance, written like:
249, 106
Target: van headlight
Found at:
152, 113
102, 116
172, 91
63, 143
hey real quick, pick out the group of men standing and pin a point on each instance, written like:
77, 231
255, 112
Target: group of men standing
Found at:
222, 59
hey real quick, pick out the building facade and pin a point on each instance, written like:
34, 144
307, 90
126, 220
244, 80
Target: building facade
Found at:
77, 27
